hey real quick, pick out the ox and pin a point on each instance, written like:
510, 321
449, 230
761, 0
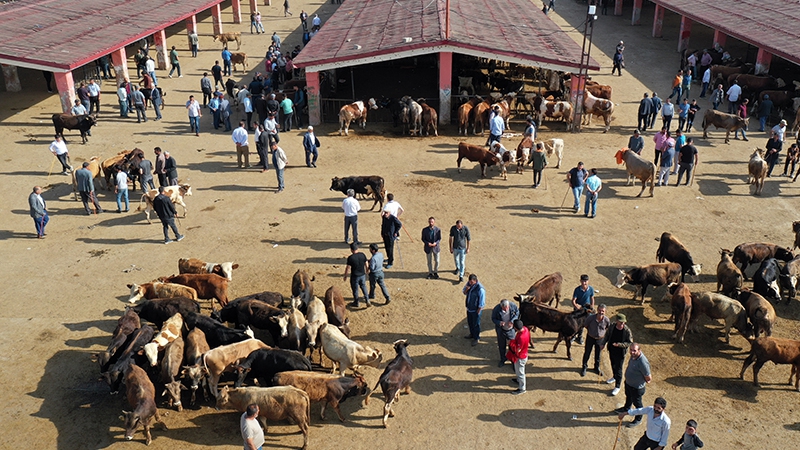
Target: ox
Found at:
413, 115
302, 287
336, 310
396, 378
160, 310
672, 250
371, 186
729, 122
560, 110
322, 387
789, 277
196, 345
759, 311
262, 365
216, 333
566, 324
600, 107
175, 194
345, 353
464, 113
169, 332
429, 118
224, 38
141, 396
480, 114
755, 252
170, 368
477, 154
729, 277
777, 350
238, 58
765, 280
355, 111
718, 306
244, 312
555, 147
84, 123
757, 170
651, 274
796, 231
93, 167
126, 355
637, 167
598, 90
546, 290
220, 359
193, 265
209, 286
681, 302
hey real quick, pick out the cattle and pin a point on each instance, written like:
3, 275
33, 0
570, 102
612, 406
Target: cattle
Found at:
681, 302
598, 90
718, 306
755, 252
271, 298
220, 359
142, 398
724, 72
370, 186
777, 350
395, 107
323, 387
600, 107
546, 290
754, 84
216, 333
224, 38
796, 124
93, 167
730, 122
316, 316
157, 289
524, 153
672, 250
113, 375
504, 106
84, 123
506, 157
649, 275
796, 231
429, 119
169, 332
729, 277
336, 310
193, 369
560, 110
555, 147
174, 193
781, 100
396, 378
500, 82
566, 324
255, 313
295, 328
239, 58
765, 280
127, 161
208, 285
109, 166
274, 403
262, 365
789, 277
757, 170
355, 111
480, 114
344, 352
477, 154
760, 312
193, 265
158, 310
637, 167
125, 326
170, 368
464, 113
414, 116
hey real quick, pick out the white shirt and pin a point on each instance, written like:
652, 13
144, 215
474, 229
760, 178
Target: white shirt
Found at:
240, 136
394, 208
280, 158
668, 109
270, 126
94, 90
122, 93
150, 65
734, 92
58, 147
707, 76
122, 180
779, 130
351, 207
194, 108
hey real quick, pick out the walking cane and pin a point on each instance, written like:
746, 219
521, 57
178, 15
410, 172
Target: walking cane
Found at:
565, 198
400, 255
50, 172
616, 439
409, 234
545, 180
691, 182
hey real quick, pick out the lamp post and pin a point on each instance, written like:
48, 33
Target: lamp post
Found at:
583, 69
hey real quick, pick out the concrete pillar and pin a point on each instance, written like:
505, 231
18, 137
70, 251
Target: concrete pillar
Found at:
685, 33
237, 11
577, 86
66, 89
618, 7
637, 12
216, 18
120, 60
314, 106
161, 50
445, 88
12, 78
658, 21
763, 58
253, 6
720, 38
191, 24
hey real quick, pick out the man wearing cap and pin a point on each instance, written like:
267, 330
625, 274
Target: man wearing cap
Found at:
475, 302
637, 375
518, 354
636, 142
503, 316
618, 339
582, 298
780, 130
496, 126
577, 177
310, 144
596, 326
658, 424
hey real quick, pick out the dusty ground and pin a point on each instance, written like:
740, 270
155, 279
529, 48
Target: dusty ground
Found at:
63, 295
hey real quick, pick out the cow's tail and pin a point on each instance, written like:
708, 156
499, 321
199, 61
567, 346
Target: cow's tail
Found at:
652, 178
704, 123
141, 200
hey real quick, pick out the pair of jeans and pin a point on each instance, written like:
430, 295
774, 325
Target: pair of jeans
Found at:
146, 183
62, 158
537, 177
592, 344
743, 130
681, 122
652, 120
122, 194
351, 222
645, 443
194, 122
356, 283
123, 108
287, 121
433, 261
175, 65
771, 161
194, 50
703, 92
40, 223
786, 166
87, 105
215, 118
474, 324
591, 200
633, 396
576, 193
377, 278
519, 369
279, 174
617, 357
140, 114
684, 167
763, 122
153, 76
503, 338
226, 67
167, 224
676, 90
460, 258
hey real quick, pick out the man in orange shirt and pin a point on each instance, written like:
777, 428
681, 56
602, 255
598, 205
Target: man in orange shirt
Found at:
676, 85
518, 354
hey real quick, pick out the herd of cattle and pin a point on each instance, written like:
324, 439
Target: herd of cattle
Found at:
182, 349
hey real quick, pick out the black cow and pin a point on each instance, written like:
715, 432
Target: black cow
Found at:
566, 324
157, 311
765, 280
649, 275
503, 84
250, 312
394, 106
672, 250
370, 186
263, 364
216, 333
755, 252
84, 123
395, 378
137, 340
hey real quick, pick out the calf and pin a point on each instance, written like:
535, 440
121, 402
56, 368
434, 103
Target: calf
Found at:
157, 289
356, 111
169, 332
789, 277
729, 277
170, 368
221, 359
718, 306
193, 265
295, 328
322, 387
113, 376
755, 252
344, 352
681, 301
396, 377
193, 369
208, 285
760, 312
142, 398
336, 309
302, 286
429, 118
239, 58
477, 154
369, 186
262, 365
159, 310
566, 324
274, 403
672, 250
216, 333
315, 317
126, 325
230, 37
651, 274
777, 350
546, 290
765, 280
175, 193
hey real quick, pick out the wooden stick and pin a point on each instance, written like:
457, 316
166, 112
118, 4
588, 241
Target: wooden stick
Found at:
616, 439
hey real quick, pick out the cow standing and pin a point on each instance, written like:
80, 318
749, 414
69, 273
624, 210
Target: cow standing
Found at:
477, 154
396, 378
355, 111
672, 250
649, 275
371, 186
83, 123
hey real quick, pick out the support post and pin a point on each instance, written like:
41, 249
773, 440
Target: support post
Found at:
618, 7
253, 6
12, 78
658, 22
237, 11
312, 87
66, 89
120, 60
577, 85
763, 58
720, 39
685, 33
637, 12
216, 18
191, 24
161, 50
445, 86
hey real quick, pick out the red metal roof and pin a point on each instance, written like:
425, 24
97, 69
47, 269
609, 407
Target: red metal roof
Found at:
371, 30
62, 35
773, 25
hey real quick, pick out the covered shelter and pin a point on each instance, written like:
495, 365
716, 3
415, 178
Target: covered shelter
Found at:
372, 31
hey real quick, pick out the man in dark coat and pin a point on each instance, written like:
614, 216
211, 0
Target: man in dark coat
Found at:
85, 185
390, 231
166, 211
38, 211
503, 315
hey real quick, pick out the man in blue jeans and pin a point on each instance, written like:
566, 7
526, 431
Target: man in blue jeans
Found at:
582, 297
376, 274
357, 268
577, 177
593, 186
475, 302
459, 247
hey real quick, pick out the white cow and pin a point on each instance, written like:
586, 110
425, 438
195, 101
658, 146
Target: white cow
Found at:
175, 193
555, 146
414, 115
315, 317
344, 352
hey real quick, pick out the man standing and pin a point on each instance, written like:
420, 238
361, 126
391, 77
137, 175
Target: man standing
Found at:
263, 147
155, 97
170, 169
173, 59
241, 139
271, 128
667, 111
194, 115
780, 130
459, 247
636, 143
392, 206
582, 298
656, 109
77, 109
310, 144
38, 209
683, 113
279, 161
121, 190
503, 315
688, 160
287, 109
193, 41
657, 434
357, 268
226, 61
225, 111
659, 140
645, 108
150, 67
774, 147
252, 433
706, 80
764, 110
741, 111
304, 19
390, 231
686, 83
216, 71
83, 96
166, 212
475, 302
159, 170
518, 354
618, 339
137, 98
299, 102
351, 208
596, 326
693, 108
496, 126
146, 167
85, 184
593, 187
577, 177
734, 92
539, 160
717, 97
94, 97
376, 274
59, 149
667, 155
676, 85
213, 106
247, 104
205, 86
431, 236
637, 375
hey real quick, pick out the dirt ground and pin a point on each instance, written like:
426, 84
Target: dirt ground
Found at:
62, 295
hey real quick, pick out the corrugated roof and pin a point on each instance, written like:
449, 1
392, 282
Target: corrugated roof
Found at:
62, 35
371, 30
773, 25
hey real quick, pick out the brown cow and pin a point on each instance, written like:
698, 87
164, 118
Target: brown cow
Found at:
723, 72
681, 300
324, 387
396, 378
464, 113
598, 90
754, 84
651, 274
239, 58
355, 111
429, 118
193, 369
336, 309
781, 100
170, 368
208, 285
194, 265
477, 154
302, 287
760, 312
230, 37
777, 350
729, 277
505, 108
141, 396
756, 252
600, 107
546, 290
730, 122
220, 359
566, 324
718, 306
480, 114
796, 230
158, 289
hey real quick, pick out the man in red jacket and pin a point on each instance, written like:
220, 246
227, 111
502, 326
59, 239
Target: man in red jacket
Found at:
518, 354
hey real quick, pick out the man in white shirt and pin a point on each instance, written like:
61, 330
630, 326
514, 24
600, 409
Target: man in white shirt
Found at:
279, 161
733, 97
780, 130
122, 95
316, 21
656, 436
271, 128
59, 149
121, 189
392, 206
194, 114
242, 145
251, 430
706, 81
351, 208
94, 97
150, 67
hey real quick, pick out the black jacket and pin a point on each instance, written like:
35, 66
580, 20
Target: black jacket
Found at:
390, 226
171, 168
163, 207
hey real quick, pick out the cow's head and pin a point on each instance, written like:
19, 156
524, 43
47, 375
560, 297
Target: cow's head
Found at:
131, 420
151, 351
137, 292
174, 389
223, 398
92, 119
622, 278
241, 374
185, 190
195, 374
780, 83
283, 321
374, 357
225, 269
371, 103
312, 330
784, 254
796, 226
336, 184
789, 282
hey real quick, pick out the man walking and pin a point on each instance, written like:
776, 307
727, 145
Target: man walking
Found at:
764, 110
208, 90
166, 213
518, 354
146, 178
357, 268
241, 139
431, 236
459, 247
475, 302
596, 326
376, 274
155, 97
251, 430
351, 208
279, 161
121, 190
656, 436
659, 139
85, 184
593, 187
618, 339
637, 375
122, 96
582, 298
310, 144
676, 85
226, 61
654, 112
287, 109
667, 111
645, 108
137, 98
390, 231
503, 315
173, 59
94, 97
539, 160
577, 177
194, 115
159, 170
59, 149
774, 147
687, 160
38, 211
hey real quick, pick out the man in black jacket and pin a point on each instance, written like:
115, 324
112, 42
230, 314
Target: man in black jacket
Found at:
390, 231
166, 212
